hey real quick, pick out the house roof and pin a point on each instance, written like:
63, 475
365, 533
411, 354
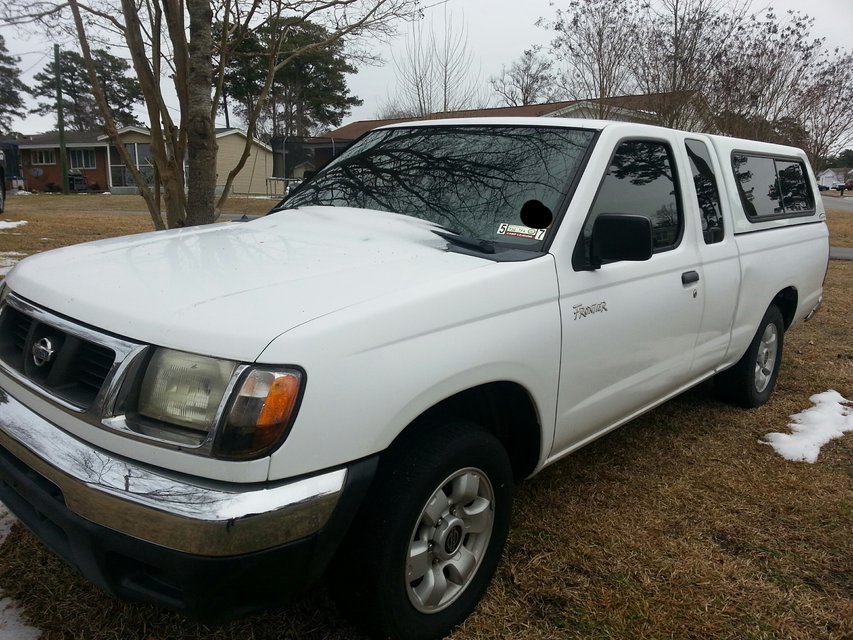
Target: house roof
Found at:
353, 130
221, 132
51, 140
839, 173
632, 103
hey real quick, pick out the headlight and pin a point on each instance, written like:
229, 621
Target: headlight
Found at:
184, 389
189, 391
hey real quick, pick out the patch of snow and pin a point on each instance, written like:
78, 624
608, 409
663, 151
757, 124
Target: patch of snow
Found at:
11, 625
21, 193
9, 259
830, 417
6, 522
106, 193
10, 224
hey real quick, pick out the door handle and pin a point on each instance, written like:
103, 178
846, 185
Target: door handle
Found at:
689, 277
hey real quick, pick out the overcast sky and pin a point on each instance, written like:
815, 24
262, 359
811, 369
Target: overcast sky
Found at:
498, 32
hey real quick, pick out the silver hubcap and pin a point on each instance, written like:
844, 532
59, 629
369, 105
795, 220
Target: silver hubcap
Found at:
449, 540
766, 360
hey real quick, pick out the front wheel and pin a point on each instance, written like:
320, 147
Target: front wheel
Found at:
751, 381
428, 541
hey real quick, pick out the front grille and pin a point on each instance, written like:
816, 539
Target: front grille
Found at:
93, 364
20, 329
69, 367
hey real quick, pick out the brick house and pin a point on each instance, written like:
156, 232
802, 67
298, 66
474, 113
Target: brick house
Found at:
94, 165
87, 157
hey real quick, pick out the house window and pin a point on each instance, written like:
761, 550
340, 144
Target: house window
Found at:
81, 158
140, 157
43, 157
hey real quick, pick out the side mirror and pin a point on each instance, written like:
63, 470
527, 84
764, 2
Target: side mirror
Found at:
617, 237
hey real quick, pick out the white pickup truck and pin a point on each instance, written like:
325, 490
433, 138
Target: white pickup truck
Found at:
211, 418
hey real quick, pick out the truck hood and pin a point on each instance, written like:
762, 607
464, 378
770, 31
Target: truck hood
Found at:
228, 290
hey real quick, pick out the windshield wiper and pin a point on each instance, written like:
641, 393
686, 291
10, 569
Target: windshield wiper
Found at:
484, 246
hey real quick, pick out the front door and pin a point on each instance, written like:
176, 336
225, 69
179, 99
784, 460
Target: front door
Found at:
629, 328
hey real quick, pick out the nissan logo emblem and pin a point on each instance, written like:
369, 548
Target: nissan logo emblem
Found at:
43, 352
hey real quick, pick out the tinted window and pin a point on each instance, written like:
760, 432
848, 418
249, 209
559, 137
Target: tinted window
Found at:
473, 179
771, 187
707, 193
641, 181
796, 195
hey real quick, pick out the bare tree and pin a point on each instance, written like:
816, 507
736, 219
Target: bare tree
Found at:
758, 82
827, 108
435, 74
593, 46
528, 80
174, 40
683, 43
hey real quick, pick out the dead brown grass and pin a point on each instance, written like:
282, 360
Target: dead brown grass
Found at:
679, 525
840, 225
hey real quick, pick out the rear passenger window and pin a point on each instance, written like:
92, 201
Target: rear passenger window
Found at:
707, 193
640, 181
771, 187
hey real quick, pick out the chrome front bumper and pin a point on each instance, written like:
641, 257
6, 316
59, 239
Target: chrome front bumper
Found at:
175, 511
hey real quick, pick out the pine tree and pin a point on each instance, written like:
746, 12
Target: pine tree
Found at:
11, 87
309, 93
81, 110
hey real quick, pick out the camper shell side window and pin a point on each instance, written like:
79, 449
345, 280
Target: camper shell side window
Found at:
772, 188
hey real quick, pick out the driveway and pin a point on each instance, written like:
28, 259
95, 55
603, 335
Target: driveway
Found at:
835, 202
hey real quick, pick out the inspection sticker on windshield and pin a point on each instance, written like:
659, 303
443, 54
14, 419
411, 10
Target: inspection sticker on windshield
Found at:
520, 231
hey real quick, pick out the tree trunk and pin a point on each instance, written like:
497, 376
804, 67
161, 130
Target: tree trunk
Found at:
201, 135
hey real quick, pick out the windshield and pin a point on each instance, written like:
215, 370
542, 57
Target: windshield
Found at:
473, 179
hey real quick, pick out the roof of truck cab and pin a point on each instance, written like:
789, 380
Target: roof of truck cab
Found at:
723, 143
574, 123
727, 144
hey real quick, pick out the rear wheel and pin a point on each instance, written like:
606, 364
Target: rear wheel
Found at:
751, 381
427, 543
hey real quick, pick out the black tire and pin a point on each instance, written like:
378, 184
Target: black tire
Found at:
751, 382
375, 579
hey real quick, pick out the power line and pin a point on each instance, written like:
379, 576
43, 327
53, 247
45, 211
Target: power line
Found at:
35, 64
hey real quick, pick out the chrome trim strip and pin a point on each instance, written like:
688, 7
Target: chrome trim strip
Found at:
123, 348
179, 512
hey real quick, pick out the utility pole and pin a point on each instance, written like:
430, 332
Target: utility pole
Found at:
60, 121
225, 106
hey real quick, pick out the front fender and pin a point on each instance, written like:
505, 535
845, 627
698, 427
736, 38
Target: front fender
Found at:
373, 368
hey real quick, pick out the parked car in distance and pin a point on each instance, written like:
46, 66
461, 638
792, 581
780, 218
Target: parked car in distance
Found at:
822, 187
355, 383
